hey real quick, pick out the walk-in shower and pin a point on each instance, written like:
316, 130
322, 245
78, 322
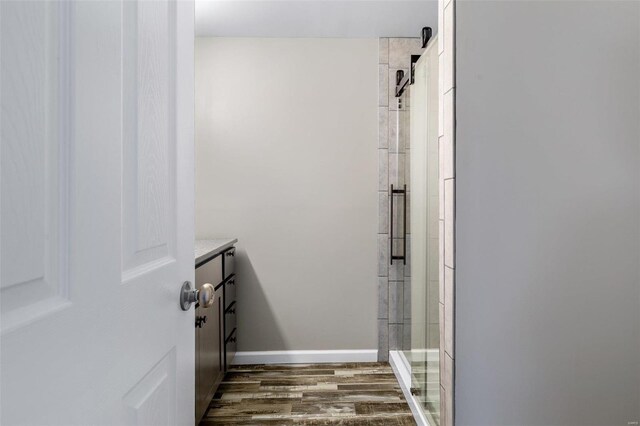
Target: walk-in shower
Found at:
417, 123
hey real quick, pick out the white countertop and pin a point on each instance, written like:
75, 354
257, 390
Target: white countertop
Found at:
205, 249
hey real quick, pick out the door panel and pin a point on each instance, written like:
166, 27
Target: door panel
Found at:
152, 400
425, 271
35, 159
149, 138
96, 192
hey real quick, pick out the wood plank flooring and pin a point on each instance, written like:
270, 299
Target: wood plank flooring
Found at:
309, 394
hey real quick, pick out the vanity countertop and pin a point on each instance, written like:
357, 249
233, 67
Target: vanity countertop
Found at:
205, 249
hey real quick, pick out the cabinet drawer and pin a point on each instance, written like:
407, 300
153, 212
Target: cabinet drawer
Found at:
230, 348
210, 272
230, 319
229, 291
229, 261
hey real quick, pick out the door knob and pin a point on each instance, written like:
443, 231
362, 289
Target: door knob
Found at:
204, 296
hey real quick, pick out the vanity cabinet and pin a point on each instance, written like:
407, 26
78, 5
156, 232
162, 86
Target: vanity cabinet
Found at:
216, 325
208, 321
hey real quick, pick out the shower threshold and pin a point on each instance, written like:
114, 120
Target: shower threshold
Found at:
402, 369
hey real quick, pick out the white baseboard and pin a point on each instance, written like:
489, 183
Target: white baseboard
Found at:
400, 367
305, 357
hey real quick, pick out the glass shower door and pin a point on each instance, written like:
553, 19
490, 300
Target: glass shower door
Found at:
424, 218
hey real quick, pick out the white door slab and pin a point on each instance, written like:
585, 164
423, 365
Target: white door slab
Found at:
96, 212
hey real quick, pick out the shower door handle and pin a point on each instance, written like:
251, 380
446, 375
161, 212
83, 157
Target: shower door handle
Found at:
403, 257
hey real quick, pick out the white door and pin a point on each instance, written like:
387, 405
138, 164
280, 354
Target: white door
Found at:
96, 208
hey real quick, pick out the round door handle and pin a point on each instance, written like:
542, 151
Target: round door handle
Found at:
204, 296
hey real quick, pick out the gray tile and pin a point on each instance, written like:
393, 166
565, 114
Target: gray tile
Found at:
441, 332
407, 129
383, 85
406, 294
401, 49
449, 223
449, 309
440, 26
383, 340
383, 127
449, 135
441, 353
441, 99
395, 336
406, 338
448, 408
383, 298
407, 267
398, 130
396, 170
433, 302
408, 195
398, 215
449, 53
383, 212
396, 302
447, 383
407, 169
433, 262
396, 270
383, 50
383, 255
441, 177
433, 336
441, 258
383, 170
440, 93
443, 401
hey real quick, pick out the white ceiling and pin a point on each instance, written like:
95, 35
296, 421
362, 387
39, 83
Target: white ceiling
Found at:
315, 18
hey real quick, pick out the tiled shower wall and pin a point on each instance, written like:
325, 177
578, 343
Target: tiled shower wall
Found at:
394, 291
446, 142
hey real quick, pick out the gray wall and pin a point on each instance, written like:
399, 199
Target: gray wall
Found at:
548, 213
286, 161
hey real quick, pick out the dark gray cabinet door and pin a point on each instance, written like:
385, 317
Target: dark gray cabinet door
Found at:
209, 338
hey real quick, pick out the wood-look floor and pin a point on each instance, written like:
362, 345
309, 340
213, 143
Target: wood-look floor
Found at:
309, 394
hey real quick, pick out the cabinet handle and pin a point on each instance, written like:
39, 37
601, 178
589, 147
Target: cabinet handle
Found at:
200, 321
